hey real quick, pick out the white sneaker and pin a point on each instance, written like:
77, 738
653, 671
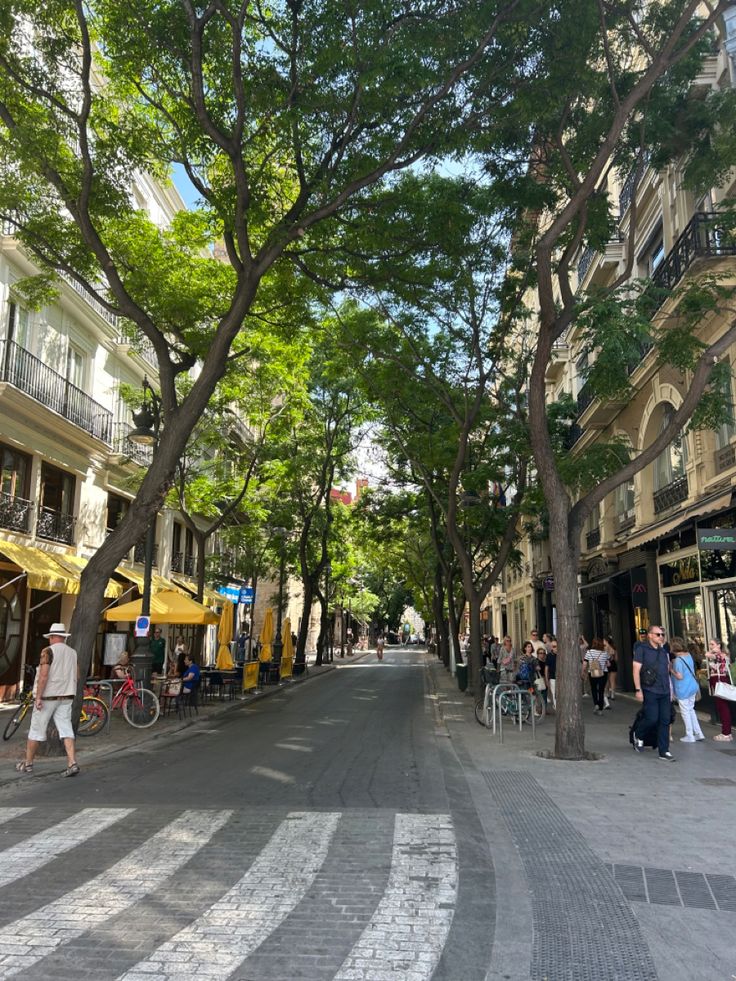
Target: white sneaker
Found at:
688, 739
606, 703
700, 738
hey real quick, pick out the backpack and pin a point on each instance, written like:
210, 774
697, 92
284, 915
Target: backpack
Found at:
526, 671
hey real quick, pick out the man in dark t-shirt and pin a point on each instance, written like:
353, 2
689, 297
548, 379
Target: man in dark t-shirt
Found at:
655, 694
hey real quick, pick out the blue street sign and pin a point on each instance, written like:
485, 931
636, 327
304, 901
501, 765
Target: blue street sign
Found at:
232, 592
246, 594
142, 626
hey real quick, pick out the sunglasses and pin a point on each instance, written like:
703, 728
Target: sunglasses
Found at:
658, 633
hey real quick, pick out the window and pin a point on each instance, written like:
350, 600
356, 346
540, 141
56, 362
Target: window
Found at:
656, 256
15, 472
57, 489
75, 367
19, 325
624, 500
117, 508
670, 464
727, 430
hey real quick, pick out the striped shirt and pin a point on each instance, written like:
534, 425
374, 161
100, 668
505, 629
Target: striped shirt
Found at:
600, 656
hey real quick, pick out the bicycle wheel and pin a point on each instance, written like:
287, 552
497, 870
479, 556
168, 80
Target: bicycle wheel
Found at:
15, 720
480, 712
142, 709
94, 716
509, 704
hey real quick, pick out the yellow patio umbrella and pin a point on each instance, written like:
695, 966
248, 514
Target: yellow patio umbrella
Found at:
288, 648
224, 636
266, 637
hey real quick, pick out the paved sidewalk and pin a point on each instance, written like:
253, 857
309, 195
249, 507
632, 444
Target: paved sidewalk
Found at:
121, 737
618, 868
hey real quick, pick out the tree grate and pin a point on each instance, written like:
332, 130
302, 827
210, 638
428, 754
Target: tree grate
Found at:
668, 887
583, 927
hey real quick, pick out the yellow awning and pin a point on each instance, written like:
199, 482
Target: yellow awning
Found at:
211, 598
158, 583
42, 570
75, 564
166, 607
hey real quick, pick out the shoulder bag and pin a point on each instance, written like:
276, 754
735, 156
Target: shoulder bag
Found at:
726, 691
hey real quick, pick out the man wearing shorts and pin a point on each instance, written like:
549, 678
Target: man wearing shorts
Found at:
54, 691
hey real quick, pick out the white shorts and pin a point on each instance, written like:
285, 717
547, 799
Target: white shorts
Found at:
58, 710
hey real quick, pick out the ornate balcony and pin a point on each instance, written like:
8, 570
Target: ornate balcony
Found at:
15, 513
667, 497
123, 446
593, 539
25, 372
56, 526
182, 562
139, 553
707, 235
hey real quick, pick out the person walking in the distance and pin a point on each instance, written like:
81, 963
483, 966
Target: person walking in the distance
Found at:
651, 670
55, 688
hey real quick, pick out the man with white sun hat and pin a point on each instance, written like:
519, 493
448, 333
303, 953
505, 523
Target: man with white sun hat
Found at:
53, 696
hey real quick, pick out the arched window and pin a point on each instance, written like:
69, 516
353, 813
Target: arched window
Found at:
670, 464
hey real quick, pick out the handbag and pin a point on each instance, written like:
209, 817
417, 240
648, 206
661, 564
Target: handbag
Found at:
540, 684
726, 691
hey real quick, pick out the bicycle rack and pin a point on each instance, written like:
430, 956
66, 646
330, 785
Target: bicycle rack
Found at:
519, 694
495, 700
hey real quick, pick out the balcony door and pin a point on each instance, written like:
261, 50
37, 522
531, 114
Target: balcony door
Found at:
56, 510
15, 478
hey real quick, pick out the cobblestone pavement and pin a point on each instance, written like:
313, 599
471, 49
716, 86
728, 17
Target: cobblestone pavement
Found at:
308, 835
365, 828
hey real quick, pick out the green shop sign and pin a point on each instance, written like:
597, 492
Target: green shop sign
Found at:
717, 539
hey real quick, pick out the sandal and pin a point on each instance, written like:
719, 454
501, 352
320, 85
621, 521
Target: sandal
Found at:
24, 767
71, 771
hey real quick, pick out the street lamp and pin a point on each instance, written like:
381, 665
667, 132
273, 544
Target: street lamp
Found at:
146, 433
278, 642
328, 631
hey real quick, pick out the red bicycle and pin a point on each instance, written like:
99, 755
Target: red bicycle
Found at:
140, 706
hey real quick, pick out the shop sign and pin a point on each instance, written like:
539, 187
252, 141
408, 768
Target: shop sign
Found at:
232, 592
717, 539
639, 594
679, 572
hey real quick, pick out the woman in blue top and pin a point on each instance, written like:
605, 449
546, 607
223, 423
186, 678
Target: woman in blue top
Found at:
685, 685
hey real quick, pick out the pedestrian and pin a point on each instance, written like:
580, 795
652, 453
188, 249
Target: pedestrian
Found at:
180, 651
540, 682
718, 671
122, 668
550, 669
380, 642
495, 651
651, 671
595, 666
54, 691
610, 648
686, 688
507, 659
526, 668
534, 638
157, 647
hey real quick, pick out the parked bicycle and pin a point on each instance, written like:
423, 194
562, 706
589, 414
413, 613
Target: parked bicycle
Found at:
93, 717
140, 706
509, 702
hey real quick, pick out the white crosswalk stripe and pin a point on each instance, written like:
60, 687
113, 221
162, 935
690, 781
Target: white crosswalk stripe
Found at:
30, 855
407, 932
216, 943
24, 942
10, 813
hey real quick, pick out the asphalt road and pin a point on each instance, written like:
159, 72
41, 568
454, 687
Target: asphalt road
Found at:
326, 832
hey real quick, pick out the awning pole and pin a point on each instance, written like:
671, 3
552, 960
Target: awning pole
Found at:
118, 599
11, 581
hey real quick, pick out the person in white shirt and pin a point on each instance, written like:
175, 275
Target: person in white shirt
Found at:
54, 691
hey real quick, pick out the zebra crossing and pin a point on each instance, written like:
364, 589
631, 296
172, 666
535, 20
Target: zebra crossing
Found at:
256, 898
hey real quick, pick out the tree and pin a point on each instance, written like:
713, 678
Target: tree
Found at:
613, 83
277, 114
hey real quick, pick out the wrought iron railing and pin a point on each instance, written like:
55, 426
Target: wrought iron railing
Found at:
593, 538
585, 397
15, 512
26, 372
56, 526
182, 562
674, 493
100, 309
706, 236
625, 519
122, 444
585, 262
572, 435
139, 553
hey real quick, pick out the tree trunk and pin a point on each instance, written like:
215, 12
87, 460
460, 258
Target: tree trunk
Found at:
324, 628
569, 725
201, 540
301, 644
475, 656
453, 624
